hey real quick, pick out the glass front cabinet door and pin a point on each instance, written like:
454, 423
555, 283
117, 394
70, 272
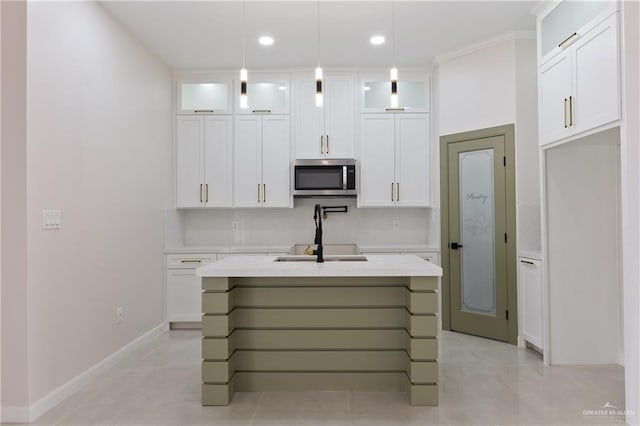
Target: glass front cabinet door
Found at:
204, 95
413, 92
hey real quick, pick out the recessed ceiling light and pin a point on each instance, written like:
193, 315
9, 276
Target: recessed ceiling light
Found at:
282, 88
377, 40
367, 88
265, 40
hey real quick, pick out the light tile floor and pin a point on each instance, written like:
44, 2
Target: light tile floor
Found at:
482, 382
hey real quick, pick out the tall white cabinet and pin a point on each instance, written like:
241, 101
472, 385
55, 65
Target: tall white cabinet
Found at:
329, 131
203, 161
394, 160
262, 161
579, 134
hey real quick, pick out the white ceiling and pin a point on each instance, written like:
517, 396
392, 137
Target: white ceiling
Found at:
208, 34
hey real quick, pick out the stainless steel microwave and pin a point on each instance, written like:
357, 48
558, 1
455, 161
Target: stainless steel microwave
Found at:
328, 178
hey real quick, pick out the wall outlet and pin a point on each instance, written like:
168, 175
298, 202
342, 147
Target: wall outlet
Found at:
234, 225
119, 314
396, 225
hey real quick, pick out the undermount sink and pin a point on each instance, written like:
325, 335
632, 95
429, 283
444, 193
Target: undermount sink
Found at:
344, 258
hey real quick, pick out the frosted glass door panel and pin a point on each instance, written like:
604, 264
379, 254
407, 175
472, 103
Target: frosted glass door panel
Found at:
411, 95
204, 96
477, 225
377, 95
567, 18
267, 96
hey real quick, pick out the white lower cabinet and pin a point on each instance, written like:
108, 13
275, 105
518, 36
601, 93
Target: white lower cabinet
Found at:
184, 291
530, 273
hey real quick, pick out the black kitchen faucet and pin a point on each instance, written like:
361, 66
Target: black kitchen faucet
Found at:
317, 217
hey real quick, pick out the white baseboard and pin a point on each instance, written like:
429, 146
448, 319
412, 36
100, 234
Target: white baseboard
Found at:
55, 397
15, 415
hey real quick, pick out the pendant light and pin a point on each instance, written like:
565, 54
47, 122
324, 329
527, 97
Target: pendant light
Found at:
319, 97
244, 102
393, 74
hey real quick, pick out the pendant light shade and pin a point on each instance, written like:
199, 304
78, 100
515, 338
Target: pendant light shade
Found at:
394, 87
244, 102
319, 96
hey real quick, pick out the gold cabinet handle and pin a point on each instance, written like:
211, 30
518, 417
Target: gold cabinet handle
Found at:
565, 113
321, 144
397, 191
571, 123
200, 192
569, 40
206, 193
258, 192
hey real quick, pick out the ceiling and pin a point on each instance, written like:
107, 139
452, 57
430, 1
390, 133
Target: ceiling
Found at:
208, 34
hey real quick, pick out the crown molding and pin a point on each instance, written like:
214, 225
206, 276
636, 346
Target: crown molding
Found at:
494, 41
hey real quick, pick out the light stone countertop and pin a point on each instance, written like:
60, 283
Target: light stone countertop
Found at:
376, 266
397, 248
229, 249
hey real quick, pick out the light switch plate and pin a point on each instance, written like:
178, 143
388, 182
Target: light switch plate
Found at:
51, 219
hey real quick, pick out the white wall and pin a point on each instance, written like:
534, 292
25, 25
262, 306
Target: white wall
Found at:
477, 89
14, 206
630, 188
489, 85
527, 151
262, 227
99, 149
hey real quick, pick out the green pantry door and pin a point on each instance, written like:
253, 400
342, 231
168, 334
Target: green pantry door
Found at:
477, 249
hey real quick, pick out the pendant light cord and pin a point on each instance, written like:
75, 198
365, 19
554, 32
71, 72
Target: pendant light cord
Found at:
243, 32
393, 14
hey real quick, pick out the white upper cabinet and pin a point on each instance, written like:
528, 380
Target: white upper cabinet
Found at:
266, 94
276, 162
204, 95
377, 160
203, 161
579, 82
412, 160
328, 131
395, 160
568, 21
555, 88
597, 76
262, 161
413, 92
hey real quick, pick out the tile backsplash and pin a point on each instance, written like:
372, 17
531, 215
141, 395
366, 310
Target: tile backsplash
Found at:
261, 226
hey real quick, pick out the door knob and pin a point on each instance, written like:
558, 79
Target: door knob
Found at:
455, 246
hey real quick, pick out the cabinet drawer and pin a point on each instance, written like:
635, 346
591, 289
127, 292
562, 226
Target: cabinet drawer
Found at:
189, 261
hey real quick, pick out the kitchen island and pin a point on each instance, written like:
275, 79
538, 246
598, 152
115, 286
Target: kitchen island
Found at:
286, 324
